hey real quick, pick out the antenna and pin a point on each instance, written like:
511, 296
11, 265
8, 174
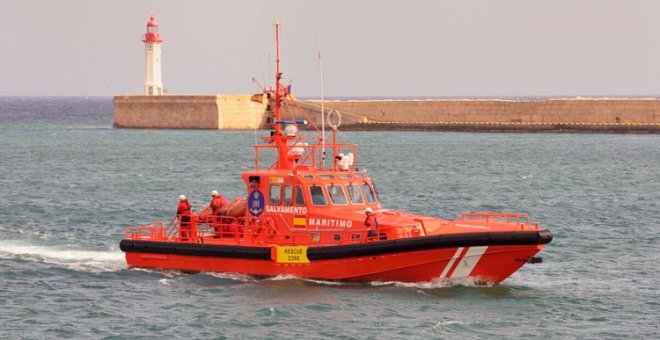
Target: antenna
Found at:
318, 37
322, 110
278, 75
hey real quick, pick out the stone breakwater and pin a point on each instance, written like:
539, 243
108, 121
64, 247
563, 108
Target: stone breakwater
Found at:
573, 114
240, 112
223, 112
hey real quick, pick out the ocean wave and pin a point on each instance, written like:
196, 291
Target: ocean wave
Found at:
69, 257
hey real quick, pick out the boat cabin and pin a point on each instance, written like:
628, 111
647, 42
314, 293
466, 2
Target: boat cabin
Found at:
311, 200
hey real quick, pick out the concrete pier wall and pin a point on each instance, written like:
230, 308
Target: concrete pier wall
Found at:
589, 110
620, 115
226, 112
242, 112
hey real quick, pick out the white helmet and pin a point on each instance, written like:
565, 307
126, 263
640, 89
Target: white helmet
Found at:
214, 193
368, 210
182, 197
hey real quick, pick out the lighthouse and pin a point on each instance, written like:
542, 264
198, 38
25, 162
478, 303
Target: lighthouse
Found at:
153, 84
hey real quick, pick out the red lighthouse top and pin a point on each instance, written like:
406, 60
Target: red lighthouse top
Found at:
152, 35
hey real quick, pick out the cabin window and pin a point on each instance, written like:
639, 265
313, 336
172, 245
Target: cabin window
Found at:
358, 175
300, 199
287, 195
368, 192
275, 194
336, 194
326, 176
345, 176
316, 192
308, 177
355, 194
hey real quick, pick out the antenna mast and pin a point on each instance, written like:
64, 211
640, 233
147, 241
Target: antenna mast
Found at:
318, 37
322, 111
278, 76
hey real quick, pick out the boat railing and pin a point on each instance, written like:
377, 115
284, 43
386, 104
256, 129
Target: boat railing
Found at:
496, 217
179, 231
313, 154
236, 228
344, 148
146, 232
294, 235
172, 228
423, 226
250, 229
201, 227
218, 227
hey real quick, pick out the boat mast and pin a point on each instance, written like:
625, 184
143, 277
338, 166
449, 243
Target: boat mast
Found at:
278, 88
322, 110
277, 137
289, 144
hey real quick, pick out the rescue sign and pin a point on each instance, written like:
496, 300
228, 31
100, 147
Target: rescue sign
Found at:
291, 254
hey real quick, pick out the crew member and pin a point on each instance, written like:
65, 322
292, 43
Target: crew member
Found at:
183, 213
371, 223
340, 162
217, 202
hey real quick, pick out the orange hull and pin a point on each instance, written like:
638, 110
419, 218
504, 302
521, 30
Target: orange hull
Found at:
483, 263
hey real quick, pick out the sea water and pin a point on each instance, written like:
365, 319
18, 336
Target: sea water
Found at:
70, 184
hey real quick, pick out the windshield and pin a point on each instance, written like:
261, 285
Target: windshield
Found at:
316, 192
336, 194
355, 194
368, 192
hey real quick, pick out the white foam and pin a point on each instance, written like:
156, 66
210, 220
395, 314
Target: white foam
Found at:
317, 281
284, 278
75, 259
168, 273
329, 283
234, 276
437, 283
446, 324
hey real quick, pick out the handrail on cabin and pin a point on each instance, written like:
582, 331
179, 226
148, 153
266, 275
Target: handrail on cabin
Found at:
310, 152
422, 223
515, 218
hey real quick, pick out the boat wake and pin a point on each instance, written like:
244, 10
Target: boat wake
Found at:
437, 283
74, 259
234, 277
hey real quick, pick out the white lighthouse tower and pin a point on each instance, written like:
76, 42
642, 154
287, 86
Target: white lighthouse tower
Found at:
153, 85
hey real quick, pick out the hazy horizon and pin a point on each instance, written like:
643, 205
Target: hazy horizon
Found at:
371, 49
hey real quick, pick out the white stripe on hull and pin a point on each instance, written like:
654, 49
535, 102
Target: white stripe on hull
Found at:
451, 262
468, 262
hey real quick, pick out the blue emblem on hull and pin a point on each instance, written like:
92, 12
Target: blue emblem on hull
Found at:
256, 203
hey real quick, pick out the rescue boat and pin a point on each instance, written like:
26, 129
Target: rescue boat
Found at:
306, 216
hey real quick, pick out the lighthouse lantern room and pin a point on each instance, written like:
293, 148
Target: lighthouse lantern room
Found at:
153, 85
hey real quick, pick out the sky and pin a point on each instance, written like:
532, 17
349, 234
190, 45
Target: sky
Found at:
369, 49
